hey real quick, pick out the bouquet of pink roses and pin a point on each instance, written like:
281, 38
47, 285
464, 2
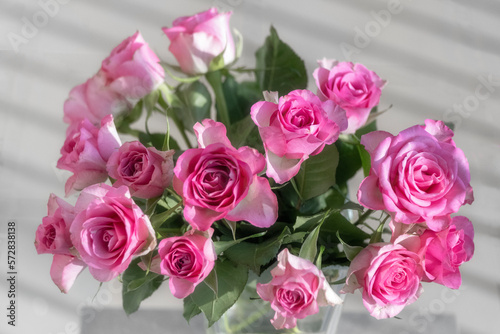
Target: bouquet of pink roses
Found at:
263, 190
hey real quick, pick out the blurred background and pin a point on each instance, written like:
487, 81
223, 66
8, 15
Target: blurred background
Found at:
441, 60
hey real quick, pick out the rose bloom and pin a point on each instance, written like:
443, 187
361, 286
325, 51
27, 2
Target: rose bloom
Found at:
295, 127
110, 230
296, 290
352, 86
146, 171
444, 251
187, 260
52, 236
196, 40
93, 100
389, 275
132, 69
218, 181
418, 176
86, 151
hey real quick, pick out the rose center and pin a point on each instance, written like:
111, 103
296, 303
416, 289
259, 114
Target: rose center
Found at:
50, 236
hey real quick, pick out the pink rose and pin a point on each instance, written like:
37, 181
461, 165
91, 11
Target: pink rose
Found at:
389, 275
196, 40
109, 230
218, 181
132, 69
295, 127
86, 151
418, 176
443, 252
52, 235
352, 86
144, 170
187, 260
93, 100
296, 290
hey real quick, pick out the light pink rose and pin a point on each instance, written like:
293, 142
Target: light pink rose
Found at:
86, 151
418, 176
110, 230
93, 100
389, 275
352, 86
295, 127
132, 69
186, 260
146, 171
218, 181
52, 235
196, 40
298, 288
443, 252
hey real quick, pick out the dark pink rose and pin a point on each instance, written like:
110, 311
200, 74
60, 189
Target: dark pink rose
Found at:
295, 127
86, 151
418, 176
133, 69
144, 170
93, 100
110, 230
444, 251
298, 288
218, 181
352, 86
389, 275
196, 40
52, 235
186, 260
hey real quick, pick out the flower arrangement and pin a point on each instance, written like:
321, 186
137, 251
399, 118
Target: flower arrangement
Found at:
265, 189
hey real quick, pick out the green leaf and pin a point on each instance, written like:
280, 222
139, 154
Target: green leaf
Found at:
195, 100
350, 251
317, 174
365, 160
190, 309
349, 161
351, 234
245, 133
156, 140
255, 255
279, 68
232, 279
309, 248
221, 246
240, 97
137, 286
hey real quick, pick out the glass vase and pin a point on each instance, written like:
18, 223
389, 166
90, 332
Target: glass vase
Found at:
250, 314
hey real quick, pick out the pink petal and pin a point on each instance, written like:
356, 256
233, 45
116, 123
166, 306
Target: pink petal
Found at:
281, 169
259, 207
64, 271
201, 218
180, 288
372, 139
211, 132
369, 194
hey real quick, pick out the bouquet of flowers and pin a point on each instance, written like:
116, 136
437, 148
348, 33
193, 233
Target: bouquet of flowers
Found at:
263, 190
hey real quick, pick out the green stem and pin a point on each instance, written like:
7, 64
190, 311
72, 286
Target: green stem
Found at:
214, 78
363, 217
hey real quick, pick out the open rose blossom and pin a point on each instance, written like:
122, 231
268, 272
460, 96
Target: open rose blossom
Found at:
418, 176
133, 69
196, 40
352, 86
146, 171
93, 100
443, 252
295, 127
187, 260
109, 230
218, 181
389, 275
86, 151
298, 288
53, 237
